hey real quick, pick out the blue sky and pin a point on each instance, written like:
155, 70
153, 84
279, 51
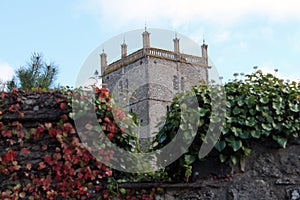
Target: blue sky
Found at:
239, 34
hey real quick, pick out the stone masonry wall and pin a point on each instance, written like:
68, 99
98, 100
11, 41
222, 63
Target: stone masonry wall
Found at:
269, 173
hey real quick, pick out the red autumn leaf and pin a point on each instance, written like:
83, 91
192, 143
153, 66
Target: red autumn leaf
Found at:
108, 172
41, 165
3, 95
5, 171
39, 130
15, 90
104, 93
5, 195
53, 132
28, 166
64, 117
48, 125
44, 147
21, 134
14, 168
11, 155
12, 142
25, 150
22, 194
56, 156
7, 133
110, 136
67, 127
67, 151
106, 119
111, 128
48, 159
62, 106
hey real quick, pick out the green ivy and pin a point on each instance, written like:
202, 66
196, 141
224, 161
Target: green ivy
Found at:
259, 108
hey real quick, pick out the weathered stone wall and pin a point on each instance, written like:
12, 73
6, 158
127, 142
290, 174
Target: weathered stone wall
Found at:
32, 107
269, 173
149, 84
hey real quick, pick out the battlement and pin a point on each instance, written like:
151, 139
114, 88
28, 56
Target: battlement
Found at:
148, 51
157, 53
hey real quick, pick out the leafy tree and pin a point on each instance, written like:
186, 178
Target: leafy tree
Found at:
36, 73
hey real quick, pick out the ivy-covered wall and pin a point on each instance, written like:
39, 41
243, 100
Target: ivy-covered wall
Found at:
256, 157
40, 153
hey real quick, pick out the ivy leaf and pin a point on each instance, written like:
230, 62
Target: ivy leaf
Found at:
264, 100
247, 151
223, 158
267, 127
236, 110
122, 191
220, 145
294, 107
236, 144
189, 159
280, 140
255, 134
234, 159
250, 121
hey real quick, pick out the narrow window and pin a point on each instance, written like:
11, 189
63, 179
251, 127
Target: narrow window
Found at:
182, 84
175, 83
126, 86
120, 88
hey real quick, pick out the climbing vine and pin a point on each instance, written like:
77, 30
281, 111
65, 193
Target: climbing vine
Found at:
49, 160
259, 108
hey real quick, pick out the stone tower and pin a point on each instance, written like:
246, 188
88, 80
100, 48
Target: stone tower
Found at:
145, 81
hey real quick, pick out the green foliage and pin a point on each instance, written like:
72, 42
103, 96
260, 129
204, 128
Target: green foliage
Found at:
259, 108
37, 73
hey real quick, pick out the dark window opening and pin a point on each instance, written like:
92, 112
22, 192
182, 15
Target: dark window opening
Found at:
182, 83
175, 83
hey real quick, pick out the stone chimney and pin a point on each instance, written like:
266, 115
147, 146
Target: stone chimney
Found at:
204, 52
146, 39
103, 58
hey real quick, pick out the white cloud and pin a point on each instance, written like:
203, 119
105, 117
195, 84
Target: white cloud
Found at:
177, 12
222, 37
268, 69
6, 71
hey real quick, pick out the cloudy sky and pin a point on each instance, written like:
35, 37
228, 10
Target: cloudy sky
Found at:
239, 34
